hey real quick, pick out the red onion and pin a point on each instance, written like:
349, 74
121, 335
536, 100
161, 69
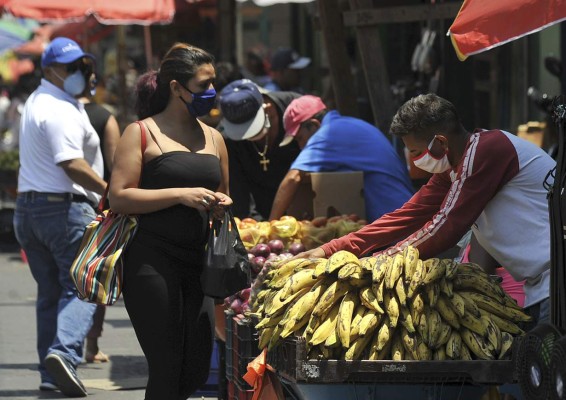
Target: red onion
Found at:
276, 245
296, 248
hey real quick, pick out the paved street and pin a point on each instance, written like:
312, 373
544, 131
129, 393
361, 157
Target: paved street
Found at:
123, 377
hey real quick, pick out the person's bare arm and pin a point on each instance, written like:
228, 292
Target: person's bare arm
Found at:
224, 163
481, 257
111, 138
224, 188
285, 194
81, 173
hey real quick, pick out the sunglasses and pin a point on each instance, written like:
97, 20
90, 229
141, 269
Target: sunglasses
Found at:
80, 64
73, 67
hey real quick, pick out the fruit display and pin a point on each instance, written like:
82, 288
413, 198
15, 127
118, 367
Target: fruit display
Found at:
387, 308
262, 257
292, 232
238, 302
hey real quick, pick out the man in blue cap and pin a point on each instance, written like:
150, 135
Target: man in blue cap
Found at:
60, 179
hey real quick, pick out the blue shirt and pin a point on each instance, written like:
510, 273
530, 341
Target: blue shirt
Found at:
350, 144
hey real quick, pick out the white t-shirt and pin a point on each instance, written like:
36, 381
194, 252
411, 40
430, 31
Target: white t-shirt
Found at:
55, 128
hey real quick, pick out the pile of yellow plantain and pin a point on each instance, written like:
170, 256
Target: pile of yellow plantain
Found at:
387, 308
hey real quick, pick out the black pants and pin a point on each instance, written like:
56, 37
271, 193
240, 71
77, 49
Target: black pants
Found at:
173, 321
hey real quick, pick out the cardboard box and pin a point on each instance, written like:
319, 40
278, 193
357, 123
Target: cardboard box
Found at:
328, 194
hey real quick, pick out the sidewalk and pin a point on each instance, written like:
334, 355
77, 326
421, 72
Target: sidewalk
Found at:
122, 378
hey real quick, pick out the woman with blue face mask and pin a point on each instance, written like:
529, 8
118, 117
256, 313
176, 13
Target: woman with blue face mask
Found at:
173, 185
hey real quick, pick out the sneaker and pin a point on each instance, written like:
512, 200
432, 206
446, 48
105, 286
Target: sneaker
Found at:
65, 375
48, 387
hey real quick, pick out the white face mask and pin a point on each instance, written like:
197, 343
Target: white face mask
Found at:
264, 130
73, 84
427, 162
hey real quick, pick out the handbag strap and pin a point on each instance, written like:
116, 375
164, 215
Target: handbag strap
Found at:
143, 147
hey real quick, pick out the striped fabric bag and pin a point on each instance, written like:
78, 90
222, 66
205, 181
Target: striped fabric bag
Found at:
97, 268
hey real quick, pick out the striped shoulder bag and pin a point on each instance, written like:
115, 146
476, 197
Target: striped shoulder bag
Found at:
97, 268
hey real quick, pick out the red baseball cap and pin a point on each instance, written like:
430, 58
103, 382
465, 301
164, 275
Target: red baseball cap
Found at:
297, 112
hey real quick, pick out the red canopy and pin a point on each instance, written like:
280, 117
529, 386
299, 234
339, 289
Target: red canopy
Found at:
483, 24
111, 12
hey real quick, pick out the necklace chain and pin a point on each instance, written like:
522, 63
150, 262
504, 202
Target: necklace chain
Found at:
264, 162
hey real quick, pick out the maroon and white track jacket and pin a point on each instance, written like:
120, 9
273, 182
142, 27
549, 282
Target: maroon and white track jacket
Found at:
497, 191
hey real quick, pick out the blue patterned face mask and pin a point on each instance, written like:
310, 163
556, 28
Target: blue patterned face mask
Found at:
202, 102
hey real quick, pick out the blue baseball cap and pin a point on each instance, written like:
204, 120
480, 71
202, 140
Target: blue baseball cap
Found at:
241, 104
62, 50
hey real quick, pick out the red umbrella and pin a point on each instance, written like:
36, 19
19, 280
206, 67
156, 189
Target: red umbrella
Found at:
107, 12
483, 24
112, 12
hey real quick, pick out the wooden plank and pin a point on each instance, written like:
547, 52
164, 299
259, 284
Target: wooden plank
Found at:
386, 15
227, 30
375, 70
338, 59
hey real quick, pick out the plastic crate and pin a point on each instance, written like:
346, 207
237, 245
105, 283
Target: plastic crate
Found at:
289, 359
245, 349
247, 338
228, 315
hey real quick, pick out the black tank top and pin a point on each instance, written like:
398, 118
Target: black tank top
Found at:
181, 226
98, 116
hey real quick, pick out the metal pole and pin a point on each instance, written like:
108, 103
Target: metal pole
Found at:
122, 64
148, 47
563, 56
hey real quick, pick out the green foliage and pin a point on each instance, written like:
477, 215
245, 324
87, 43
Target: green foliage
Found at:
9, 160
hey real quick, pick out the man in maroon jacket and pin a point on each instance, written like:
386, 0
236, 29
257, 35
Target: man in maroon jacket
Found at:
489, 181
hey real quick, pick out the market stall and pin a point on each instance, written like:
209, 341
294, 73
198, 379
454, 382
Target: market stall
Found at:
400, 325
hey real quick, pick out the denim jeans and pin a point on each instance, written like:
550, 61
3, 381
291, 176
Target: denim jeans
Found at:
49, 228
540, 312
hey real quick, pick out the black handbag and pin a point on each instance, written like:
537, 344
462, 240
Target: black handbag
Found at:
227, 267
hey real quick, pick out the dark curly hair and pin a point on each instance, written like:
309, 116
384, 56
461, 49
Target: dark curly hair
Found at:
180, 63
426, 115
